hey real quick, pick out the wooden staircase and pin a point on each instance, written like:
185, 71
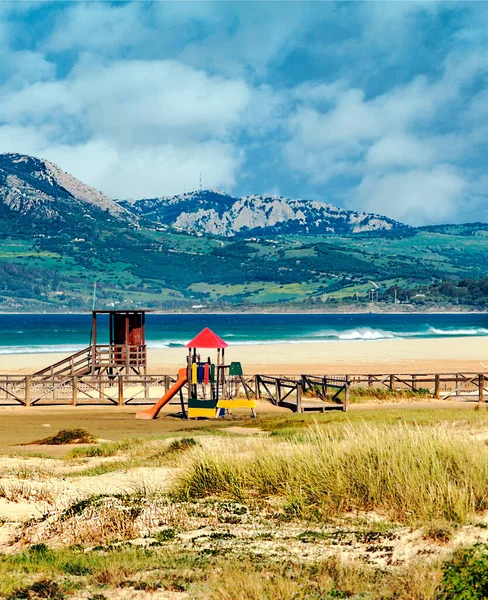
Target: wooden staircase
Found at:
79, 363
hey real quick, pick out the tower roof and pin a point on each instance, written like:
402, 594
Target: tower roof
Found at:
207, 339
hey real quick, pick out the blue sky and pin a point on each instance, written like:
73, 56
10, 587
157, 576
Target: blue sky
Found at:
377, 106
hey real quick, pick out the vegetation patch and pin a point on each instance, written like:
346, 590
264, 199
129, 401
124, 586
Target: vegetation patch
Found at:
182, 445
44, 588
65, 437
465, 577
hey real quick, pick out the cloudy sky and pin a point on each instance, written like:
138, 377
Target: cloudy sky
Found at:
379, 106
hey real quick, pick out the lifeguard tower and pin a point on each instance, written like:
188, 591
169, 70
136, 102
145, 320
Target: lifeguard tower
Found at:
124, 354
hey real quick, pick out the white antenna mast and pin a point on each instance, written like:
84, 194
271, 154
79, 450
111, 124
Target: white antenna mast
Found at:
94, 294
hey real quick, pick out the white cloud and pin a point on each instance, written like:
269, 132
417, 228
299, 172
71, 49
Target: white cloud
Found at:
148, 172
415, 197
400, 150
131, 128
99, 26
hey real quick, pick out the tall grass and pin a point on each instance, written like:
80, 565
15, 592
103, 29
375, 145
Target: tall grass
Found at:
409, 473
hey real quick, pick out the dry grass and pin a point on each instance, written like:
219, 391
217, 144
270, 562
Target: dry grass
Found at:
21, 491
407, 472
327, 579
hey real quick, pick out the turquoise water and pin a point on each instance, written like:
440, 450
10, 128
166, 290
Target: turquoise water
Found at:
38, 333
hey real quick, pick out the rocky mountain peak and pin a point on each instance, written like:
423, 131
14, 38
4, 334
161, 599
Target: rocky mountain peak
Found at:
215, 212
40, 189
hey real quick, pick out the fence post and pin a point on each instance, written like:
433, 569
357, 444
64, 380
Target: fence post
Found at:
347, 393
121, 390
258, 389
437, 385
457, 384
392, 382
299, 397
278, 391
27, 390
481, 387
74, 383
414, 383
166, 383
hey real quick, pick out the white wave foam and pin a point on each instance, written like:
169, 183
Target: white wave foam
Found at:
367, 334
467, 331
47, 349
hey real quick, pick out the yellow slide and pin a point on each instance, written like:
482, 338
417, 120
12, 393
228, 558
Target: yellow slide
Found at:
153, 411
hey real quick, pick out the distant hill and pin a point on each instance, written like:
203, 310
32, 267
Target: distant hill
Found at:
36, 190
217, 213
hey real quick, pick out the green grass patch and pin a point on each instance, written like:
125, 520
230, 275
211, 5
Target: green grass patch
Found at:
105, 449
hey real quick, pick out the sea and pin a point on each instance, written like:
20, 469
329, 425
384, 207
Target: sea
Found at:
41, 333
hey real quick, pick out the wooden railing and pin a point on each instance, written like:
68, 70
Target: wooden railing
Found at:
299, 393
76, 364
116, 356
288, 392
96, 358
32, 390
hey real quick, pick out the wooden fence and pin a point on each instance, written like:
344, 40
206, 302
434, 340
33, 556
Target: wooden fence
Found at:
32, 390
299, 393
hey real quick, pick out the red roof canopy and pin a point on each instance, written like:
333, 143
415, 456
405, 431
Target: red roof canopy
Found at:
207, 339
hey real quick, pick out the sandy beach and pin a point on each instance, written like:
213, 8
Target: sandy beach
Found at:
432, 355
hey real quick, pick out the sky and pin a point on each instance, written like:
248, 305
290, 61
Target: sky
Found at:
373, 106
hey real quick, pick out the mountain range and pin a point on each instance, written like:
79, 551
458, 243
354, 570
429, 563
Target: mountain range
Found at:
217, 213
59, 236
39, 190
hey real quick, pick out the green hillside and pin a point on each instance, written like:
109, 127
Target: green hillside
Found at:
166, 270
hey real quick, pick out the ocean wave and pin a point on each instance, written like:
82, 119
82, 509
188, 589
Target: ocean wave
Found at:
160, 344
367, 334
40, 349
467, 331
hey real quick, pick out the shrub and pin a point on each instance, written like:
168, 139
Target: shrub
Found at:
465, 577
67, 436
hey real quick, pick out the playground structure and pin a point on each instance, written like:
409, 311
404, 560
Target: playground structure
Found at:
211, 388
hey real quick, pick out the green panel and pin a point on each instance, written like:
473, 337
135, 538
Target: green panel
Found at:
193, 403
235, 368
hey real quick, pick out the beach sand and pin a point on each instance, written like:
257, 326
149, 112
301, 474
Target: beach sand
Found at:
432, 355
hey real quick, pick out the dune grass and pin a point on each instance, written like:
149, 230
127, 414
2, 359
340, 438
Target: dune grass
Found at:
408, 472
